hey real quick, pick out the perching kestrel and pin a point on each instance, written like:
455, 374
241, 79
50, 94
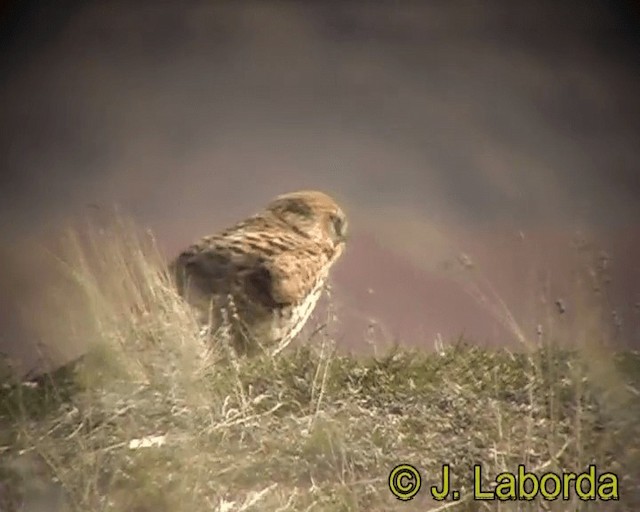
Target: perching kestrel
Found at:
263, 277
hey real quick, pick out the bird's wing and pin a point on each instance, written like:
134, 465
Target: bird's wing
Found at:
213, 268
284, 279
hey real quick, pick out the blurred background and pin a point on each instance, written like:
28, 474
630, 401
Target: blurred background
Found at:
501, 133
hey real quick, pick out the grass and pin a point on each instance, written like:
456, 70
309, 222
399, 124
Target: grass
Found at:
153, 419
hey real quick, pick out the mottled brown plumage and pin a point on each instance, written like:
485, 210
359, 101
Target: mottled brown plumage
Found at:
260, 279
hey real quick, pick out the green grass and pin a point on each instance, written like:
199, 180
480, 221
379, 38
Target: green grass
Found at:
309, 429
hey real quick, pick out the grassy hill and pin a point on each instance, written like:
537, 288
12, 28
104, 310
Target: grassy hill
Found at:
153, 419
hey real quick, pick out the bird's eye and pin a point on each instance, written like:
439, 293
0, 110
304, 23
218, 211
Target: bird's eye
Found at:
338, 226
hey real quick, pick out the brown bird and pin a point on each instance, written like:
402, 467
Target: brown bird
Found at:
259, 280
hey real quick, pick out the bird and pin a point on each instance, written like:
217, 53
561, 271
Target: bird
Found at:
257, 282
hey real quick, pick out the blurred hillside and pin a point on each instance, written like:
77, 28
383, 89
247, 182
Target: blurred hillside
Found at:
444, 127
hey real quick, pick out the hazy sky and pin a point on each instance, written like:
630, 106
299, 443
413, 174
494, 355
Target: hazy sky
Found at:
472, 119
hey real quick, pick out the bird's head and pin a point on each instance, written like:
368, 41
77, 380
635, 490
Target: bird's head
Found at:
313, 214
